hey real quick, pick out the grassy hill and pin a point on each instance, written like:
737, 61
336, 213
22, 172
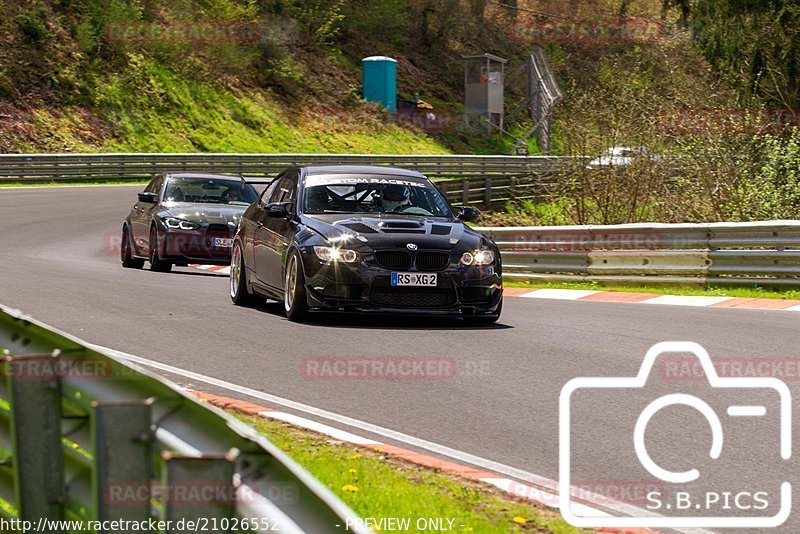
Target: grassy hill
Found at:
284, 76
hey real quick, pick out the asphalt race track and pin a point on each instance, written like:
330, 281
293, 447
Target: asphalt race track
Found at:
59, 262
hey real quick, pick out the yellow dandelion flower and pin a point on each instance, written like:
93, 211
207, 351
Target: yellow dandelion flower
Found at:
521, 520
350, 488
356, 456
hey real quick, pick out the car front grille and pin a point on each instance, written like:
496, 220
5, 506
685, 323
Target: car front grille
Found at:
397, 260
432, 261
393, 259
412, 297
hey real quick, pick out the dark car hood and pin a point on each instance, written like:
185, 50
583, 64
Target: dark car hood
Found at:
205, 213
395, 231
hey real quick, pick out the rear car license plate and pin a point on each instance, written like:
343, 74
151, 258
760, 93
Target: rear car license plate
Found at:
414, 279
222, 242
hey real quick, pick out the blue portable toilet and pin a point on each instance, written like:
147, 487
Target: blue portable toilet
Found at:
380, 81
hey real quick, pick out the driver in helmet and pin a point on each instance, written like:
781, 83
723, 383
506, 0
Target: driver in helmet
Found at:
396, 197
317, 200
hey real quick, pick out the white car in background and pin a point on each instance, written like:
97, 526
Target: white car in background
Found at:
622, 156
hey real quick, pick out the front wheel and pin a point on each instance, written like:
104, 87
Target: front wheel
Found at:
294, 289
240, 295
156, 263
126, 251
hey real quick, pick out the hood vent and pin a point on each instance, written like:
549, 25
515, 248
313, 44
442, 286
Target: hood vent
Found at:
438, 229
361, 228
402, 227
392, 225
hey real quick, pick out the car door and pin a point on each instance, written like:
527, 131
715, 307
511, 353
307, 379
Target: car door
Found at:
151, 210
272, 233
140, 216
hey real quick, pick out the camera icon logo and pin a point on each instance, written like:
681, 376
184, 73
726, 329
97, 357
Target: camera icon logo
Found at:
689, 507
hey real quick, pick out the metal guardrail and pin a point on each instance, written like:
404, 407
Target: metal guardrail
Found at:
762, 253
88, 437
43, 167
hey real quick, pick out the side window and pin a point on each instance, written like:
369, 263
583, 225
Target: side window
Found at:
269, 192
152, 187
284, 190
290, 192
157, 185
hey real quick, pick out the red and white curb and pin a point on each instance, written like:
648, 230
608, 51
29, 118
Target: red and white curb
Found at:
219, 269
545, 495
654, 299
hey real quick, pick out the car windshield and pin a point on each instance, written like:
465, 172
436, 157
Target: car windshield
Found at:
209, 191
373, 194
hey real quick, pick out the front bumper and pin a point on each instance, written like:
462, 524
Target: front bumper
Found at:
196, 246
366, 287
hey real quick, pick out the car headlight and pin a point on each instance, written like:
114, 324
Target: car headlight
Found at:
180, 224
478, 257
330, 254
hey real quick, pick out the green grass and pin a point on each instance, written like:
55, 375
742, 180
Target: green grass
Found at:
377, 486
741, 292
152, 107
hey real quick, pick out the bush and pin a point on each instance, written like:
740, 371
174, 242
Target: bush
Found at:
32, 25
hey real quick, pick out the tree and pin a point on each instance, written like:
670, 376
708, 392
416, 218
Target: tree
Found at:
754, 42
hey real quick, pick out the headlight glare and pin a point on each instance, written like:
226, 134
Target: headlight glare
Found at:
331, 254
478, 257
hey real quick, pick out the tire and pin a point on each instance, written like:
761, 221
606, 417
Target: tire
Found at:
295, 302
486, 319
156, 263
240, 294
126, 251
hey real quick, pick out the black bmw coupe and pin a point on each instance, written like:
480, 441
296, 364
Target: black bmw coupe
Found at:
368, 239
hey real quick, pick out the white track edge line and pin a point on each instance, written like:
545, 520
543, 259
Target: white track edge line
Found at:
489, 465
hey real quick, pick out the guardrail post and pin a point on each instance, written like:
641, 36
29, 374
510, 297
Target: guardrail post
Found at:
35, 397
487, 192
465, 191
200, 490
122, 437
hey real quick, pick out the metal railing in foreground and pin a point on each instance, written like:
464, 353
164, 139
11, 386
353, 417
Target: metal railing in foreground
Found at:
762, 253
89, 437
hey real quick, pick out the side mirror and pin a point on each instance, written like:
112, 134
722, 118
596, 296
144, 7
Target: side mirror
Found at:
278, 210
150, 198
467, 213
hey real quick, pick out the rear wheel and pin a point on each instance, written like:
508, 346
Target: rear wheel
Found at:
294, 289
126, 251
156, 263
240, 295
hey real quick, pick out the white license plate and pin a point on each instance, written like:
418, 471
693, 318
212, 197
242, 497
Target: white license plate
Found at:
414, 279
222, 242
